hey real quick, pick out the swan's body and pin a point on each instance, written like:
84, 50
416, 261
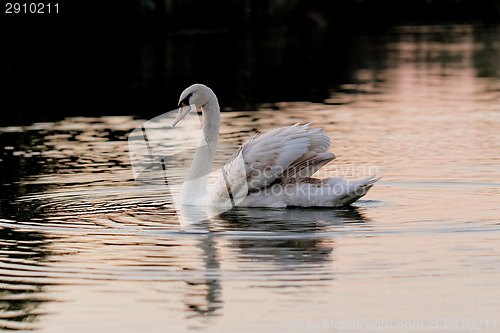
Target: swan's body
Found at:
270, 170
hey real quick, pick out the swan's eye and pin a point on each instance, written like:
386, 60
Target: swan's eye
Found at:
185, 101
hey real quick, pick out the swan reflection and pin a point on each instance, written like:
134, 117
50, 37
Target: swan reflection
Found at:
291, 240
203, 293
294, 219
21, 296
292, 236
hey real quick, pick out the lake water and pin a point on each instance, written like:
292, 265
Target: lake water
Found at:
82, 248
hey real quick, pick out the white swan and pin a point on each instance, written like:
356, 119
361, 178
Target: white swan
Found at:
269, 170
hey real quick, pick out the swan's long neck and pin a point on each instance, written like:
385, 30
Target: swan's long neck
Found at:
195, 184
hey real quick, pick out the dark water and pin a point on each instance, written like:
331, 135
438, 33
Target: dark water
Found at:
143, 76
83, 248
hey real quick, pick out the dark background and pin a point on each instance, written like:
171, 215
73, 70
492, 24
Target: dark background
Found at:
134, 57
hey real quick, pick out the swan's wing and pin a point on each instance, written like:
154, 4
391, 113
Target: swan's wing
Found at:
283, 153
307, 165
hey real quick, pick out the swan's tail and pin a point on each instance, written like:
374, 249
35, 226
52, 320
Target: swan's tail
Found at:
329, 192
352, 190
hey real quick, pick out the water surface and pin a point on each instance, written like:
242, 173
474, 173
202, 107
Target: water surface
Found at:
83, 248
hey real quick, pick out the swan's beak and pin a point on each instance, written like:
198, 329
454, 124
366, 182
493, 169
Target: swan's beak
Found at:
183, 111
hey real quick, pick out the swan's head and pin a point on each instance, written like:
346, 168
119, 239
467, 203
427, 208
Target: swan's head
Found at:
198, 95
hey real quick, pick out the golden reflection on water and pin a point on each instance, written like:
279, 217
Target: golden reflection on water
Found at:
98, 253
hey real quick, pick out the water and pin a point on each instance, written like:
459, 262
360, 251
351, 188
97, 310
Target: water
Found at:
84, 249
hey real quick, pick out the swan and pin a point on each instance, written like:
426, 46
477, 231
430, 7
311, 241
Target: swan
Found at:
268, 170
